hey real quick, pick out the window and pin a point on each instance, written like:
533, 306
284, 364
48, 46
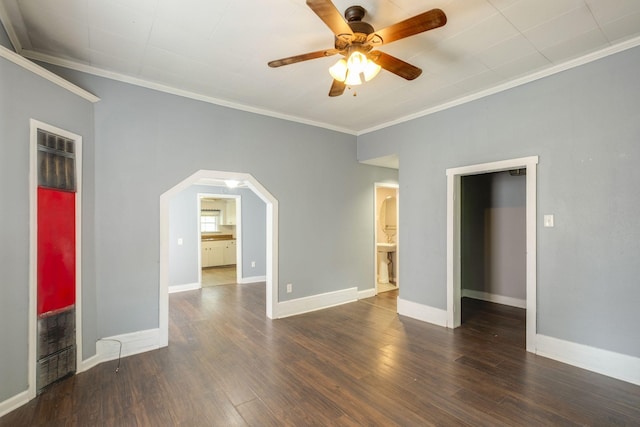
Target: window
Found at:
209, 220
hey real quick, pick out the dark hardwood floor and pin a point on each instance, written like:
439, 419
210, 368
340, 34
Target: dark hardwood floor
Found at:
355, 364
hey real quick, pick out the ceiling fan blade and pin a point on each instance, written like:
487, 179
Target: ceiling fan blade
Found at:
337, 88
333, 19
395, 65
303, 57
420, 23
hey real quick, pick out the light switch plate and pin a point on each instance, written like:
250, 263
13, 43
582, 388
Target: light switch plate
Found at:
548, 220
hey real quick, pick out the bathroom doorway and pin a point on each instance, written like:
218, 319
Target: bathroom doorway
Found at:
386, 238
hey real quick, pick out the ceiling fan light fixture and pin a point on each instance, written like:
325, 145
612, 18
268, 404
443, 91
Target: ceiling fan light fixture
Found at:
354, 71
231, 183
339, 70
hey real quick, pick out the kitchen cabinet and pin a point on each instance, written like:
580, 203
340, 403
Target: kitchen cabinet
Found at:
229, 254
218, 252
212, 253
230, 212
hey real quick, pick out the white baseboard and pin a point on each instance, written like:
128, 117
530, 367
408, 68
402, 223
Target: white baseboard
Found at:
605, 362
498, 299
253, 279
108, 348
367, 293
316, 302
422, 312
185, 287
89, 363
14, 402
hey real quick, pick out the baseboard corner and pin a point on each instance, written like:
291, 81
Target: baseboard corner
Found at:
367, 293
424, 313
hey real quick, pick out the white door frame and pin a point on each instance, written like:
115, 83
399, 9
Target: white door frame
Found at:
453, 237
396, 268
238, 233
33, 250
210, 177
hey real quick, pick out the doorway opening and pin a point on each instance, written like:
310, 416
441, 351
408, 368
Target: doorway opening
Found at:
386, 249
528, 165
217, 178
493, 254
220, 243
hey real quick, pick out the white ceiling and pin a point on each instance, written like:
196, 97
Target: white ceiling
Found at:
217, 50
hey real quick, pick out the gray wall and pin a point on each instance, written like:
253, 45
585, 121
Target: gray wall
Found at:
147, 142
23, 96
584, 124
4, 39
183, 208
493, 234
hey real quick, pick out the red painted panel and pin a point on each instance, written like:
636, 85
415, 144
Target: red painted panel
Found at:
56, 249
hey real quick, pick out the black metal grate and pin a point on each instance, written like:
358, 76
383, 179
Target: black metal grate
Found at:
56, 161
56, 346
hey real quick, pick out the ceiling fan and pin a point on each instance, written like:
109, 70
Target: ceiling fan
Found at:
355, 41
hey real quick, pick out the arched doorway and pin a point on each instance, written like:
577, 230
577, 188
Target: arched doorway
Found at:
216, 178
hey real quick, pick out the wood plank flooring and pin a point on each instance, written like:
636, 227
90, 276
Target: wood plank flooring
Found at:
214, 276
351, 365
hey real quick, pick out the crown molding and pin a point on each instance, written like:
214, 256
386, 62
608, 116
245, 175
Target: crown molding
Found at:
593, 56
46, 74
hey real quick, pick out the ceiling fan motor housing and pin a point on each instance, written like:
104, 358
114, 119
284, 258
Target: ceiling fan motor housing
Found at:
361, 30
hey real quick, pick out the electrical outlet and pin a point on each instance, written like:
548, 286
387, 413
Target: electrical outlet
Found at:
253, 264
180, 241
289, 288
548, 220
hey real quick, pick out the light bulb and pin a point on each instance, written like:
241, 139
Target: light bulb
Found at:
339, 70
356, 70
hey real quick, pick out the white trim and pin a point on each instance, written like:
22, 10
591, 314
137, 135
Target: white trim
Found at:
33, 246
367, 293
133, 343
317, 302
10, 24
176, 91
453, 238
239, 247
605, 362
14, 402
252, 279
108, 348
186, 287
498, 299
424, 313
555, 69
46, 74
206, 177
89, 363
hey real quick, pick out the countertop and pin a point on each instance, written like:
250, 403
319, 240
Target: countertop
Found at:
214, 237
